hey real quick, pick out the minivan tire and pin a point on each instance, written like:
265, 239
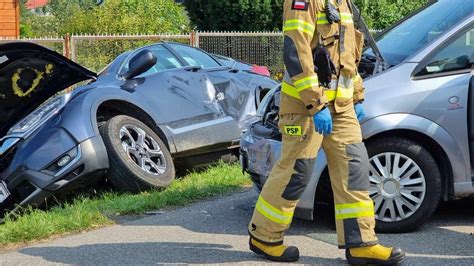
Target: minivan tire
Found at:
422, 157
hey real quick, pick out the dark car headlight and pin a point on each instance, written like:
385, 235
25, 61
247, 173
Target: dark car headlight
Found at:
39, 116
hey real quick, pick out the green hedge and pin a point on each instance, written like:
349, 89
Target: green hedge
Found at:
165, 16
257, 15
115, 16
380, 14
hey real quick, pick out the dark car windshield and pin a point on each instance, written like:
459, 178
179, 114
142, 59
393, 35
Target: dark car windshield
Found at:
421, 29
226, 61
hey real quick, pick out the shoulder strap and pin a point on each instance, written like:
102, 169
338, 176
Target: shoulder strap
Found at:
349, 4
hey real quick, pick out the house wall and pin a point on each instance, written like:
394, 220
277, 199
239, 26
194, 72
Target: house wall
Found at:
9, 18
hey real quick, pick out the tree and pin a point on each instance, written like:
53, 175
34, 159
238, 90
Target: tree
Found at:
237, 15
381, 14
113, 16
256, 15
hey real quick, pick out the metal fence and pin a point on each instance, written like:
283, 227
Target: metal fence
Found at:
96, 51
261, 48
57, 44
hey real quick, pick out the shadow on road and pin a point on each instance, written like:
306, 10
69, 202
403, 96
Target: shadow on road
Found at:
440, 236
150, 253
446, 239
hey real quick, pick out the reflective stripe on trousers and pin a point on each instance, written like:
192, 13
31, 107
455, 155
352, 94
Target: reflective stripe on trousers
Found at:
272, 213
354, 210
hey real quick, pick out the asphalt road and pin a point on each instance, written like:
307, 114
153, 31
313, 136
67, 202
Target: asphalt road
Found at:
215, 232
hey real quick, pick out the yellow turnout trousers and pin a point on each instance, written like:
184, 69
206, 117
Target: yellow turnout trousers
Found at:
348, 169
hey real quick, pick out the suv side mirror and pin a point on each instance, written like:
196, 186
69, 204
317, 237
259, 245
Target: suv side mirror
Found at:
140, 63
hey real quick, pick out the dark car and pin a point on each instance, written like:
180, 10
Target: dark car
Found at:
148, 109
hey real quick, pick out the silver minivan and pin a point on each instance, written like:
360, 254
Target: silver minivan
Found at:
419, 128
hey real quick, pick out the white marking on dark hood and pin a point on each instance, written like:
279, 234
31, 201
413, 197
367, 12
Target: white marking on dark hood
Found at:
3, 59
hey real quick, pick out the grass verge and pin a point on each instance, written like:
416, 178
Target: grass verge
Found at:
85, 213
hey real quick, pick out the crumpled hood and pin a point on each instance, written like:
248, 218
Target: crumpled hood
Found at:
29, 75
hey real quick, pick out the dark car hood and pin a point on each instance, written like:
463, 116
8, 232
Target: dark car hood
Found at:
29, 75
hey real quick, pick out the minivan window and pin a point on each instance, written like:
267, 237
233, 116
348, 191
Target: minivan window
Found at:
421, 29
455, 56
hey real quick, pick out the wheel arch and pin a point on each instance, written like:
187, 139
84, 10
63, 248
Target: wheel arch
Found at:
113, 107
411, 127
433, 148
430, 135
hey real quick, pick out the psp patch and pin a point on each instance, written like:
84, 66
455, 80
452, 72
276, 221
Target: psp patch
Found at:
293, 130
300, 5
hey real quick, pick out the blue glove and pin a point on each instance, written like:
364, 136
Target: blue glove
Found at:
323, 122
360, 113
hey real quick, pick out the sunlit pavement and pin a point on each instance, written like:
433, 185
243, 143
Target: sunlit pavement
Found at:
215, 232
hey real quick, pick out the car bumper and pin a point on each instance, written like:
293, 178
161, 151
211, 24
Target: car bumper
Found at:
260, 150
30, 185
258, 155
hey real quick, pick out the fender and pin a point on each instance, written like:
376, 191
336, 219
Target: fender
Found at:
458, 159
387, 123
82, 110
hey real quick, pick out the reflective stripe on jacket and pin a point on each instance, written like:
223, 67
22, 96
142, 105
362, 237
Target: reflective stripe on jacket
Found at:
303, 30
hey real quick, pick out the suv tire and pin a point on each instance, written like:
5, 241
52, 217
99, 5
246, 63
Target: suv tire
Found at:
138, 158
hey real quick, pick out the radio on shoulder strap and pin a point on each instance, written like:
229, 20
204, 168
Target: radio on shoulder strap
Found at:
332, 13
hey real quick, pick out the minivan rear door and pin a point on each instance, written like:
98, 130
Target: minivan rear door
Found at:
444, 77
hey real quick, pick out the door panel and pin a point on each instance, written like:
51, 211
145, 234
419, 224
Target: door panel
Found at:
233, 90
444, 76
236, 98
187, 104
185, 100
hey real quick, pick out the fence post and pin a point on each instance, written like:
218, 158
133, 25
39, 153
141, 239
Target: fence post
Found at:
196, 39
67, 46
73, 48
191, 38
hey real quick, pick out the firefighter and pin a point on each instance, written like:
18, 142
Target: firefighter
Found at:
321, 106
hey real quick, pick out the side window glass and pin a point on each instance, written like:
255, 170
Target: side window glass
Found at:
453, 57
165, 61
195, 57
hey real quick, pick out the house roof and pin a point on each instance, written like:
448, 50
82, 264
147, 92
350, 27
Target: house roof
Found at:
32, 4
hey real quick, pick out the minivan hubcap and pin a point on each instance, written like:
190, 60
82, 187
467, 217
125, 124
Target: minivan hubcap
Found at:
397, 186
143, 149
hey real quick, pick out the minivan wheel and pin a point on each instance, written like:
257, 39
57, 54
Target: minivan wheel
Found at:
138, 158
405, 184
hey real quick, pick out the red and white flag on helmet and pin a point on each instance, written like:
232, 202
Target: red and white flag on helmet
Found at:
300, 5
